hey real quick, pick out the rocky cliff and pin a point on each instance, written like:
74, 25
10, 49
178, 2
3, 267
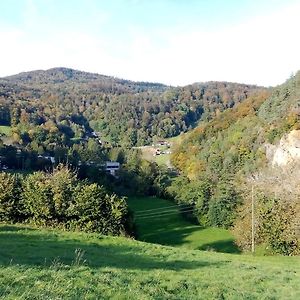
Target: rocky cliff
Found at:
287, 151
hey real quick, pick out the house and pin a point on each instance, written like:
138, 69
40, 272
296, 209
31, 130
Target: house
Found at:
161, 143
157, 152
94, 134
111, 167
51, 158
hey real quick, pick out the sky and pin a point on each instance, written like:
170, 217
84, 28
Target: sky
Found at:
175, 42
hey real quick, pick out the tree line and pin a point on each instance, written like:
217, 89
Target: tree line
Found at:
59, 105
59, 199
231, 148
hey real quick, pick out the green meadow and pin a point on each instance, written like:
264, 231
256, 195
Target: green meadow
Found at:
6, 130
159, 221
52, 264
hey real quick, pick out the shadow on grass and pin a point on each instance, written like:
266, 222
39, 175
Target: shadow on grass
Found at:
177, 236
4, 228
168, 235
226, 246
170, 228
45, 250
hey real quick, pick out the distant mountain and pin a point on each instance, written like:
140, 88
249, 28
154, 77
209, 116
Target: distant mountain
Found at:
122, 111
64, 76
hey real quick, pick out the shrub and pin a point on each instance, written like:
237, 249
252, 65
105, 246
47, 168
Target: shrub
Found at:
37, 198
222, 207
59, 198
277, 225
10, 190
63, 183
96, 211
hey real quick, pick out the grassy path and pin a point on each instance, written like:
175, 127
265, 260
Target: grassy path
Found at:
158, 221
51, 264
5, 130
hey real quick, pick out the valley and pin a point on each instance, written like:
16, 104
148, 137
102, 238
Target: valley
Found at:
149, 150
173, 219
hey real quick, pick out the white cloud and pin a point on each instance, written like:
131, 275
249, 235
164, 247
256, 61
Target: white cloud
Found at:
264, 50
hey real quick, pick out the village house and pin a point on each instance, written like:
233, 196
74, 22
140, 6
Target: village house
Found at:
111, 167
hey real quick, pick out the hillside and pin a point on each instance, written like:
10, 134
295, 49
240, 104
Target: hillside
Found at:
56, 78
235, 139
123, 112
51, 264
250, 152
83, 120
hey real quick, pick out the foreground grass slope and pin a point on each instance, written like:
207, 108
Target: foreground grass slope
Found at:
158, 221
44, 264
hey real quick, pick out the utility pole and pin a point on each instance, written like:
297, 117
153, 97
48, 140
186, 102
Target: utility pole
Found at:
253, 221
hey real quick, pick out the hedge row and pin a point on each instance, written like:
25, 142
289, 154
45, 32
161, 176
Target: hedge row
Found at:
60, 199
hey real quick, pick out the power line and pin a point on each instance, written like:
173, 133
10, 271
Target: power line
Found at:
164, 214
162, 208
163, 211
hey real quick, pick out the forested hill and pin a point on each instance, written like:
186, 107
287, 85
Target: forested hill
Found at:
248, 153
236, 140
126, 113
57, 78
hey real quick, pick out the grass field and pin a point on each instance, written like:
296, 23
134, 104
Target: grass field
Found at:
5, 130
162, 159
176, 139
169, 227
45, 264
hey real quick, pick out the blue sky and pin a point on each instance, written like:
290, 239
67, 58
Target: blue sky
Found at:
175, 42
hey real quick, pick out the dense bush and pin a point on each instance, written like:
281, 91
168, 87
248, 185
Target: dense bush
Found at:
37, 198
210, 205
276, 223
60, 199
10, 191
222, 207
47, 197
96, 211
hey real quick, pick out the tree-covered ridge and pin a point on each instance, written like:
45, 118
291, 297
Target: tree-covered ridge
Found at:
74, 103
233, 140
283, 101
224, 167
56, 78
222, 144
54, 119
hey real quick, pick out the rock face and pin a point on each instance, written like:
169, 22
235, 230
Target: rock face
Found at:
288, 150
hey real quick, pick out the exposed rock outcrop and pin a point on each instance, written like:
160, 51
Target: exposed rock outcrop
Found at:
287, 151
